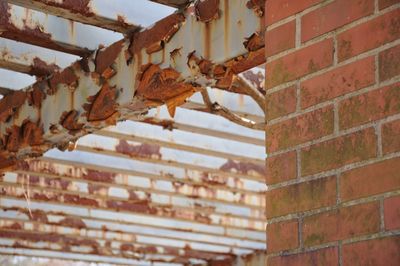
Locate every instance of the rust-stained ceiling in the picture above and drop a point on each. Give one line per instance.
(128, 142)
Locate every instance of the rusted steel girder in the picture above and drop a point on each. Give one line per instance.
(205, 45)
(82, 11)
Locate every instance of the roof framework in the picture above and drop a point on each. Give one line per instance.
(132, 140)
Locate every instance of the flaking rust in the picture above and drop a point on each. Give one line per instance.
(258, 6)
(102, 106)
(142, 150)
(254, 42)
(66, 77)
(10, 103)
(154, 38)
(69, 120)
(219, 75)
(163, 86)
(207, 11)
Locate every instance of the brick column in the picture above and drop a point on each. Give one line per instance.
(333, 132)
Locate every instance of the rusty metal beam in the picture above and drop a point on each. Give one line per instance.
(169, 144)
(252, 238)
(86, 12)
(230, 214)
(32, 60)
(169, 124)
(36, 28)
(163, 64)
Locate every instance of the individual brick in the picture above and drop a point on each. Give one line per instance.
(280, 9)
(281, 103)
(325, 257)
(299, 63)
(369, 106)
(386, 3)
(358, 39)
(281, 168)
(300, 129)
(341, 224)
(338, 152)
(389, 63)
(391, 208)
(377, 252)
(282, 236)
(301, 197)
(370, 180)
(390, 137)
(338, 82)
(333, 16)
(280, 38)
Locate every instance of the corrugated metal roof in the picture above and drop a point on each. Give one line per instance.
(152, 190)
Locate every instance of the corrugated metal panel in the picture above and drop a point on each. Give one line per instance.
(152, 190)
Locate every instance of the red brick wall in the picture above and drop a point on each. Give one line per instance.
(333, 132)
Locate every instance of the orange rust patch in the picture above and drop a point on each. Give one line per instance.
(142, 150)
(103, 104)
(243, 63)
(72, 222)
(141, 206)
(66, 76)
(254, 42)
(99, 176)
(32, 134)
(29, 134)
(160, 84)
(155, 37)
(257, 5)
(105, 58)
(69, 120)
(41, 68)
(222, 74)
(37, 95)
(207, 10)
(165, 124)
(10, 103)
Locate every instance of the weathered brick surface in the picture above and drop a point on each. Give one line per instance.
(389, 63)
(280, 38)
(392, 213)
(342, 145)
(341, 224)
(322, 257)
(376, 252)
(370, 180)
(370, 106)
(334, 15)
(338, 152)
(300, 129)
(337, 82)
(390, 137)
(278, 10)
(299, 63)
(301, 197)
(359, 39)
(281, 103)
(281, 168)
(283, 236)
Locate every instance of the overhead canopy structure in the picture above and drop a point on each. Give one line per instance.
(132, 139)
